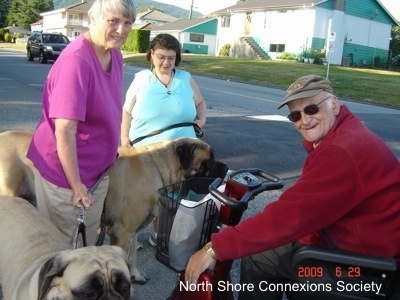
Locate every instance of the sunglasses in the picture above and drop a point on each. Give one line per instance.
(310, 110)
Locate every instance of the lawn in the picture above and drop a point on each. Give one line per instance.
(359, 84)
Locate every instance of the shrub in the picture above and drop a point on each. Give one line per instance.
(377, 62)
(7, 38)
(318, 56)
(3, 31)
(288, 56)
(225, 50)
(138, 41)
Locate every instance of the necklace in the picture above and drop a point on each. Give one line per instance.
(169, 81)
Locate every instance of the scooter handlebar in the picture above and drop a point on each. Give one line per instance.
(271, 182)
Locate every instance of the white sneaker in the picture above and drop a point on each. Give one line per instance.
(139, 245)
(153, 239)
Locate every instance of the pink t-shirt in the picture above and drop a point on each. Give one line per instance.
(77, 88)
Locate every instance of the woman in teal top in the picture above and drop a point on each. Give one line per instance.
(161, 97)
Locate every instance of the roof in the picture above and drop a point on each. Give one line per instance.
(146, 26)
(81, 6)
(182, 24)
(253, 5)
(39, 22)
(156, 15)
(268, 4)
(16, 29)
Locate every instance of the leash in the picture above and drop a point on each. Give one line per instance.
(197, 129)
(81, 227)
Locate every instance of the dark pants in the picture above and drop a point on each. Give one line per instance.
(274, 266)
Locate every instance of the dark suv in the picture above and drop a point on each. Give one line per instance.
(46, 46)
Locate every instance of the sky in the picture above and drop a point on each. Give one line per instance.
(393, 6)
(207, 6)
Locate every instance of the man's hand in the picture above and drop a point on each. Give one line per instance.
(198, 263)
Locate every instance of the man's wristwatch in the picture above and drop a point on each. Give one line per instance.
(209, 250)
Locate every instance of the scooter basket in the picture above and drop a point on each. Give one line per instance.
(187, 217)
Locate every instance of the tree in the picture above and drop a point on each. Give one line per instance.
(395, 41)
(15, 8)
(23, 13)
(4, 7)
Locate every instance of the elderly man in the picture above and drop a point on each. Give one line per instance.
(347, 197)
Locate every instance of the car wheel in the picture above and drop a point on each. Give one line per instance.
(29, 55)
(42, 58)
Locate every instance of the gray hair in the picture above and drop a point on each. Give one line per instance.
(329, 102)
(124, 7)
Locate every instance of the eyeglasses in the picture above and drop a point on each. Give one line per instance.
(163, 57)
(310, 110)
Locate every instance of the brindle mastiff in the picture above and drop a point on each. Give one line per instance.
(34, 262)
(135, 178)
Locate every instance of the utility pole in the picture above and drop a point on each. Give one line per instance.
(191, 10)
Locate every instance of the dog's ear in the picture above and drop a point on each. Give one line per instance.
(55, 266)
(218, 169)
(185, 151)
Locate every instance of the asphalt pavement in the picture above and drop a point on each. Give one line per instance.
(238, 139)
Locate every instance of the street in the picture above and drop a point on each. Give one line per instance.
(243, 126)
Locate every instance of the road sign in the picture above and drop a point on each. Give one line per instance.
(331, 46)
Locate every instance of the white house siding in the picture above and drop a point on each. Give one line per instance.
(58, 21)
(367, 32)
(54, 22)
(356, 33)
(227, 35)
(331, 21)
(353, 32)
(209, 41)
(294, 28)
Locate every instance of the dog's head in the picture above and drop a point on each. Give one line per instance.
(196, 158)
(97, 273)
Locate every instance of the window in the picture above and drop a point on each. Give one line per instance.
(276, 47)
(195, 37)
(226, 21)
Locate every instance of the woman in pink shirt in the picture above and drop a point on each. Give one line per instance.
(77, 136)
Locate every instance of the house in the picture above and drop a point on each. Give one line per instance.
(153, 16)
(37, 26)
(16, 29)
(196, 36)
(73, 20)
(348, 31)
(151, 19)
